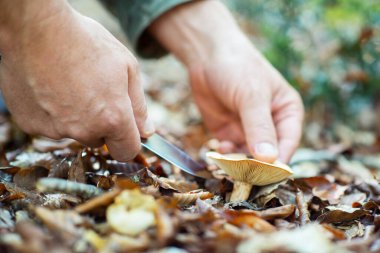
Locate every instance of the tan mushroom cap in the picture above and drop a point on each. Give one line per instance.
(252, 171)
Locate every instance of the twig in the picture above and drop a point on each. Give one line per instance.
(50, 185)
(304, 214)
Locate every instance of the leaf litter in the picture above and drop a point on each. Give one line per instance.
(58, 196)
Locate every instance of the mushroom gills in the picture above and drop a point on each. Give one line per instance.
(247, 172)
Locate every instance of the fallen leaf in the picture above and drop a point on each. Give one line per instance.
(280, 212)
(77, 170)
(305, 239)
(249, 219)
(52, 185)
(100, 201)
(331, 192)
(302, 207)
(189, 198)
(337, 215)
(27, 177)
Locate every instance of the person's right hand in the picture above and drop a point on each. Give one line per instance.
(64, 75)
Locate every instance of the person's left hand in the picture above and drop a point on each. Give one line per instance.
(242, 98)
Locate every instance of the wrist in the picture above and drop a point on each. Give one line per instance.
(18, 18)
(196, 31)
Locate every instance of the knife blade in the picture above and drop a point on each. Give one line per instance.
(174, 155)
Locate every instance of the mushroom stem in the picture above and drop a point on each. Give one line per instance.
(241, 191)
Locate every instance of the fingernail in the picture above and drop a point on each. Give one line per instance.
(266, 148)
(149, 128)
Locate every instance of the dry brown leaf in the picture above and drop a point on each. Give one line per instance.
(353, 230)
(181, 186)
(338, 216)
(77, 170)
(280, 212)
(311, 182)
(331, 192)
(303, 212)
(116, 243)
(249, 219)
(60, 169)
(10, 192)
(27, 177)
(337, 233)
(66, 224)
(100, 201)
(52, 185)
(35, 239)
(167, 223)
(309, 238)
(189, 198)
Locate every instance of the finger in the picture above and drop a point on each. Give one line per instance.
(83, 133)
(92, 143)
(259, 129)
(136, 94)
(289, 131)
(231, 131)
(226, 147)
(123, 139)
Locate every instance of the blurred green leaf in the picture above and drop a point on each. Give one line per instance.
(328, 49)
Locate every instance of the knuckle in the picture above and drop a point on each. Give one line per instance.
(254, 96)
(76, 133)
(297, 97)
(112, 117)
(264, 127)
(297, 102)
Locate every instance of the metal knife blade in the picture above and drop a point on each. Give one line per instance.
(174, 155)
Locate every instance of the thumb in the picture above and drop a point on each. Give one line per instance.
(259, 129)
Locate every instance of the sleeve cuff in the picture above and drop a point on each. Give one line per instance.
(136, 16)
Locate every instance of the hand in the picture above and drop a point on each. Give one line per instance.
(243, 99)
(64, 75)
(241, 96)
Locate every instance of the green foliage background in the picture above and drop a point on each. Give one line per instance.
(328, 49)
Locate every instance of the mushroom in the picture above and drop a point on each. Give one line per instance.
(132, 212)
(247, 172)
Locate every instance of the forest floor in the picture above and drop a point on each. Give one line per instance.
(58, 196)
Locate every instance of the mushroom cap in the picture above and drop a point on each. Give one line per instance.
(248, 170)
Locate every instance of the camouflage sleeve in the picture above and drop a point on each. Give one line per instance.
(135, 16)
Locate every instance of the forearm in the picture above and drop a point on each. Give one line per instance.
(194, 30)
(17, 16)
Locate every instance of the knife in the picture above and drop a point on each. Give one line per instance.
(174, 155)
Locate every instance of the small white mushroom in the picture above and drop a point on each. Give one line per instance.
(247, 172)
(132, 212)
